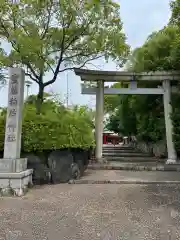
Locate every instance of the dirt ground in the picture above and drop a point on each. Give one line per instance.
(95, 212)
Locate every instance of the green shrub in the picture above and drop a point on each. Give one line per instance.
(52, 131)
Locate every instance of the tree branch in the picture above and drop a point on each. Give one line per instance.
(72, 68)
(76, 55)
(24, 61)
(24, 28)
(29, 75)
(47, 64)
(48, 21)
(85, 62)
(50, 67)
(64, 48)
(6, 31)
(83, 27)
(41, 77)
(14, 21)
(60, 57)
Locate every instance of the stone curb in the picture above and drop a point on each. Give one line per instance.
(167, 168)
(145, 182)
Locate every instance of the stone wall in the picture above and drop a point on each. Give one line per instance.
(58, 166)
(158, 149)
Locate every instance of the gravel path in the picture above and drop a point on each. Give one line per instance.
(93, 212)
(131, 175)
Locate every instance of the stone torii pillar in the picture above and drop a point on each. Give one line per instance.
(99, 119)
(172, 156)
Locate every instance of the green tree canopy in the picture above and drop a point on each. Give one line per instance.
(175, 9)
(123, 119)
(159, 52)
(111, 102)
(156, 54)
(55, 36)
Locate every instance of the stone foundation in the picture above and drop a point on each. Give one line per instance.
(16, 183)
(13, 165)
(158, 149)
(134, 167)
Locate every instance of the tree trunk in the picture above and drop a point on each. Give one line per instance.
(39, 99)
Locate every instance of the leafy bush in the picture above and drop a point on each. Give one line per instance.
(55, 130)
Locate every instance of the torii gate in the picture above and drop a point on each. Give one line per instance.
(121, 76)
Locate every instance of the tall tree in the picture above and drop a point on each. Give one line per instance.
(123, 119)
(55, 36)
(111, 102)
(175, 16)
(159, 52)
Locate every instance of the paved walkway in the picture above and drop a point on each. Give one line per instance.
(99, 175)
(93, 212)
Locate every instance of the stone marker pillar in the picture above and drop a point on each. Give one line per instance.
(172, 157)
(99, 119)
(12, 141)
(14, 176)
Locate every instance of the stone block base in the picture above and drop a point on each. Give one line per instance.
(15, 184)
(171, 161)
(130, 181)
(101, 160)
(13, 165)
(135, 167)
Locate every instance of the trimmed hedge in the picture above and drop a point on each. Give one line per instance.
(53, 131)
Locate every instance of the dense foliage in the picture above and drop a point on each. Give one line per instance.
(118, 122)
(55, 128)
(161, 51)
(55, 36)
